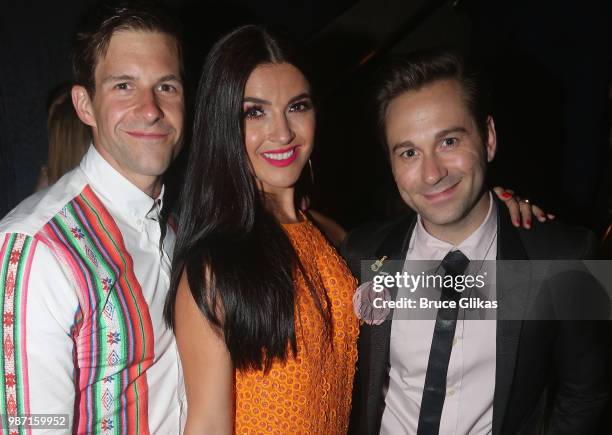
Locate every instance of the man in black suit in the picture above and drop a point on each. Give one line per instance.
(447, 374)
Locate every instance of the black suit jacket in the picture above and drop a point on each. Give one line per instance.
(573, 356)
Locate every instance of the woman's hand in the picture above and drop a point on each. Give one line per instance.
(521, 210)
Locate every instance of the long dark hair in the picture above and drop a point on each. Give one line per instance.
(238, 260)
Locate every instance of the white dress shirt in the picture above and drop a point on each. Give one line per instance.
(468, 405)
(85, 287)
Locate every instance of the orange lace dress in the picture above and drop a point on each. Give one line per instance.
(311, 393)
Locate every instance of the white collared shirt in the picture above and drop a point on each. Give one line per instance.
(468, 405)
(84, 286)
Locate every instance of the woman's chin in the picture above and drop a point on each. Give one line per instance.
(277, 184)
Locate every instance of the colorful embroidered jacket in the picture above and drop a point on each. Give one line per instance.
(83, 280)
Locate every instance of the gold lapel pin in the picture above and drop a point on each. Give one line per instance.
(378, 264)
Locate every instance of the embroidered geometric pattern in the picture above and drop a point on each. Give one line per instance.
(114, 336)
(14, 273)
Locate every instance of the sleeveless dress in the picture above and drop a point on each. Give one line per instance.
(310, 393)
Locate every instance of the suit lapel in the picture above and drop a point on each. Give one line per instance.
(376, 339)
(510, 296)
(395, 245)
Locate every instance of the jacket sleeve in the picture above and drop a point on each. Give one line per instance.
(583, 352)
(40, 310)
(583, 372)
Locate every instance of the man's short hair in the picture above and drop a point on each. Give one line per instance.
(414, 71)
(100, 24)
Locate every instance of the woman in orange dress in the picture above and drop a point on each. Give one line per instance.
(310, 393)
(260, 301)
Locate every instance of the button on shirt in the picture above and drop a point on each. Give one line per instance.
(468, 405)
(83, 281)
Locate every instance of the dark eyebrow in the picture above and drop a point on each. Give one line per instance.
(127, 77)
(124, 77)
(405, 144)
(262, 101)
(439, 135)
(302, 96)
(170, 78)
(255, 100)
(448, 131)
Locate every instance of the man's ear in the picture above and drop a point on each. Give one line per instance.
(83, 106)
(491, 145)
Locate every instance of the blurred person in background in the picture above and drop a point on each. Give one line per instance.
(69, 139)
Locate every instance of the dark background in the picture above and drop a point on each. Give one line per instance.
(548, 64)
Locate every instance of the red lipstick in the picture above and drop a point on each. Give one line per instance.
(281, 157)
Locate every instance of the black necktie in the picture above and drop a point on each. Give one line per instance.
(434, 390)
